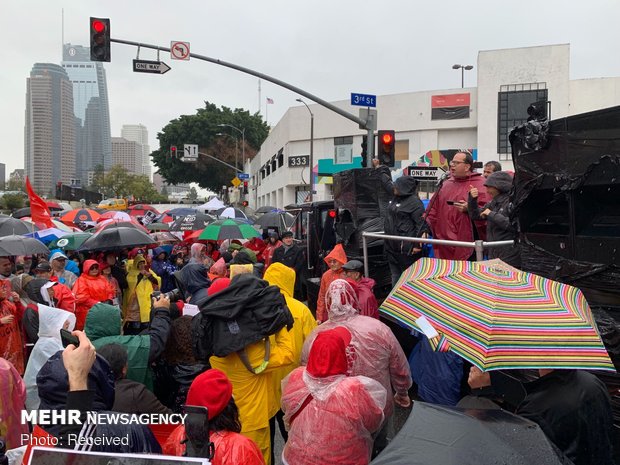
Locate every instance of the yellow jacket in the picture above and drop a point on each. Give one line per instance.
(284, 277)
(139, 290)
(250, 391)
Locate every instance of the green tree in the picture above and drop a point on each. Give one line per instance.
(12, 201)
(16, 184)
(202, 129)
(192, 194)
(164, 192)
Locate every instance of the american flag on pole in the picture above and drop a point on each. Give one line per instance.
(269, 101)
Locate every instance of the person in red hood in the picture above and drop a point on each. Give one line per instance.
(90, 289)
(11, 312)
(331, 415)
(257, 245)
(58, 296)
(451, 221)
(336, 258)
(213, 389)
(354, 272)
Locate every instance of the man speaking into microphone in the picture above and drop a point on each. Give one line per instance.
(448, 217)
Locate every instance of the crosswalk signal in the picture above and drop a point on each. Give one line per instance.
(245, 187)
(173, 151)
(386, 147)
(100, 39)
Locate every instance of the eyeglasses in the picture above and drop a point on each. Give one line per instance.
(456, 162)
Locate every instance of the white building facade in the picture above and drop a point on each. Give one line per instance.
(430, 125)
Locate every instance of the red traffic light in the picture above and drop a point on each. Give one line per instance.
(332, 213)
(98, 26)
(387, 138)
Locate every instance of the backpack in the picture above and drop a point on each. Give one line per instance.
(247, 311)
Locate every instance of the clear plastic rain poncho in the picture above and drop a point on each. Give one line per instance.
(51, 320)
(378, 355)
(330, 416)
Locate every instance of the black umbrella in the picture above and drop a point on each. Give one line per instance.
(438, 435)
(265, 209)
(117, 238)
(192, 222)
(278, 219)
(19, 245)
(21, 212)
(230, 212)
(10, 226)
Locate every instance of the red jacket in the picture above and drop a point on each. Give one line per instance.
(64, 298)
(230, 448)
(90, 290)
(335, 426)
(328, 277)
(11, 343)
(448, 223)
(368, 305)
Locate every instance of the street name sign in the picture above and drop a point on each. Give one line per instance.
(148, 66)
(364, 100)
(243, 176)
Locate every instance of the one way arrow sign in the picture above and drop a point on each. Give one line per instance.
(146, 66)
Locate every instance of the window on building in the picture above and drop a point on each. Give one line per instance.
(513, 100)
(280, 158)
(401, 150)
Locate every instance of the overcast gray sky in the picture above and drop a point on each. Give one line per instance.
(330, 48)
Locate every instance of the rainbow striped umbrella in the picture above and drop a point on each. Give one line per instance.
(498, 317)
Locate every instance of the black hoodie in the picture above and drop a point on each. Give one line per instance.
(404, 216)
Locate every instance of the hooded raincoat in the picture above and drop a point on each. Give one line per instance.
(284, 277)
(367, 302)
(448, 223)
(330, 416)
(63, 297)
(252, 392)
(404, 217)
(140, 288)
(12, 397)
(90, 290)
(11, 344)
(230, 448)
(51, 321)
(328, 277)
(378, 354)
(499, 226)
(195, 281)
(164, 269)
(103, 326)
(53, 384)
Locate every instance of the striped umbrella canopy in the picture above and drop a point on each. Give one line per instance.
(228, 229)
(498, 317)
(114, 215)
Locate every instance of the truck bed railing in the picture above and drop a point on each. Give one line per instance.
(479, 246)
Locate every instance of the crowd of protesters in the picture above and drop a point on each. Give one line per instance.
(329, 382)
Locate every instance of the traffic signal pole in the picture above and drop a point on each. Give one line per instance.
(260, 75)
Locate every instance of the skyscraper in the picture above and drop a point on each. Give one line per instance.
(138, 133)
(128, 154)
(49, 133)
(91, 108)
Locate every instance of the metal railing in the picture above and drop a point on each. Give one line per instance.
(478, 245)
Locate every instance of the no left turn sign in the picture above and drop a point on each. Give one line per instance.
(179, 50)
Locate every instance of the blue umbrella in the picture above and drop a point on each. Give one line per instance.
(47, 235)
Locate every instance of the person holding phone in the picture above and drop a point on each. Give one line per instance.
(448, 215)
(213, 390)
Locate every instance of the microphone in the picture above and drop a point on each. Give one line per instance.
(442, 178)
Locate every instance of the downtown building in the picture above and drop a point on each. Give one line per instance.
(139, 134)
(430, 125)
(49, 133)
(91, 109)
(128, 154)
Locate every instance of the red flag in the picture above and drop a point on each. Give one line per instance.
(39, 212)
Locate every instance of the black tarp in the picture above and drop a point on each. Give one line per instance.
(438, 435)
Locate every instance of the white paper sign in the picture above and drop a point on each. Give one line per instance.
(426, 327)
(190, 309)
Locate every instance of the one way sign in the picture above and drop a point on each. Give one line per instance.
(146, 66)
